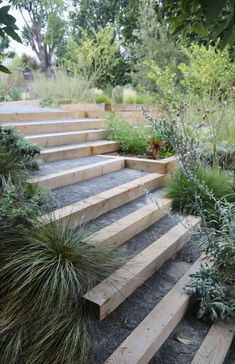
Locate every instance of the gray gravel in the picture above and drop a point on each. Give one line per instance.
(65, 164)
(230, 358)
(175, 352)
(69, 194)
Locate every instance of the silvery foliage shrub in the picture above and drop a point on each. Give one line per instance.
(211, 285)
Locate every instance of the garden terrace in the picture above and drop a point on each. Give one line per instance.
(141, 312)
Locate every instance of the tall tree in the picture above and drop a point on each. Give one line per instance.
(44, 27)
(91, 15)
(153, 43)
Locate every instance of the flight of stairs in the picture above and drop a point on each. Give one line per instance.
(112, 194)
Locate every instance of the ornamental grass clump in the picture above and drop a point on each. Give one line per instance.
(43, 317)
(219, 183)
(214, 203)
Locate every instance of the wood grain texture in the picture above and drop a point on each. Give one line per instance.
(140, 346)
(111, 292)
(94, 206)
(74, 175)
(214, 348)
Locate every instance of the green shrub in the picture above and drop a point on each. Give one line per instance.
(132, 139)
(21, 203)
(24, 152)
(211, 294)
(184, 192)
(102, 99)
(139, 99)
(43, 281)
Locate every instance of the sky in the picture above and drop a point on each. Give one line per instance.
(18, 47)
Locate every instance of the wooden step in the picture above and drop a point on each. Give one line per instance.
(48, 115)
(130, 225)
(97, 205)
(214, 348)
(111, 292)
(160, 165)
(78, 150)
(74, 175)
(140, 346)
(54, 126)
(71, 137)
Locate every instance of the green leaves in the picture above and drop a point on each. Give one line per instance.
(211, 20)
(7, 27)
(4, 69)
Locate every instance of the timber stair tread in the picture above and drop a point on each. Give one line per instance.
(63, 138)
(112, 291)
(48, 135)
(78, 150)
(54, 126)
(78, 174)
(78, 145)
(132, 224)
(92, 207)
(216, 344)
(49, 121)
(145, 340)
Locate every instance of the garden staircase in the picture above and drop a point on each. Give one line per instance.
(110, 192)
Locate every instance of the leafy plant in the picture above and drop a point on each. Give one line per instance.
(21, 203)
(211, 294)
(156, 146)
(8, 27)
(209, 71)
(16, 145)
(102, 98)
(132, 139)
(43, 281)
(139, 99)
(94, 57)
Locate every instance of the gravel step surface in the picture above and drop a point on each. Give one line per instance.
(183, 343)
(69, 194)
(122, 211)
(66, 164)
(111, 332)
